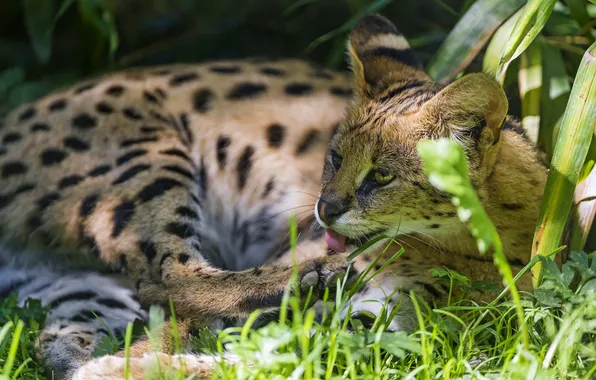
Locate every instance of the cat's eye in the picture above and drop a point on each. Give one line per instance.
(335, 160)
(382, 178)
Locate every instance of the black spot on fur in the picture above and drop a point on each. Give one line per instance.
(157, 188)
(177, 153)
(246, 90)
(187, 132)
(27, 114)
(131, 173)
(180, 79)
(75, 144)
(512, 206)
(203, 99)
(223, 142)
(182, 230)
(123, 213)
(130, 155)
(179, 170)
(187, 212)
(83, 88)
(268, 188)
(150, 129)
(141, 140)
(321, 73)
(272, 72)
(6, 199)
(203, 178)
(183, 258)
(84, 121)
(161, 93)
(52, 156)
(99, 170)
(47, 200)
(34, 222)
(26, 187)
(115, 90)
(39, 127)
(434, 226)
(69, 181)
(13, 168)
(308, 141)
(148, 249)
(57, 105)
(299, 89)
(104, 108)
(132, 114)
(344, 92)
(88, 205)
(275, 135)
(11, 137)
(225, 69)
(244, 166)
(149, 97)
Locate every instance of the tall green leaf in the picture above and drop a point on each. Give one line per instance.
(497, 43)
(555, 93)
(577, 129)
(530, 86)
(39, 20)
(469, 36)
(527, 27)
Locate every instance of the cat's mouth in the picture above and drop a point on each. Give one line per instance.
(335, 240)
(338, 242)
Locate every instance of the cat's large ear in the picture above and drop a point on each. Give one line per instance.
(380, 55)
(471, 111)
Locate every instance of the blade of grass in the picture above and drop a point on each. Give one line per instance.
(127, 340)
(530, 88)
(495, 47)
(445, 164)
(530, 23)
(469, 36)
(555, 93)
(577, 129)
(14, 346)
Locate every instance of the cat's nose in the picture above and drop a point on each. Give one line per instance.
(329, 211)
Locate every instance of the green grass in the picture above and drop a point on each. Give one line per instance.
(460, 339)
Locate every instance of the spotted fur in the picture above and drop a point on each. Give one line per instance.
(178, 178)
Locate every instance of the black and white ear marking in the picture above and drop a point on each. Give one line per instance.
(380, 54)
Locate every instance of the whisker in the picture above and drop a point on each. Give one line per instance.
(303, 192)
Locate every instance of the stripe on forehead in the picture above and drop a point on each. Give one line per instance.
(408, 96)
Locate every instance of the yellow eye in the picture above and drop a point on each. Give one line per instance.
(382, 178)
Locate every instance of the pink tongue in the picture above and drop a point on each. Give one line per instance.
(335, 241)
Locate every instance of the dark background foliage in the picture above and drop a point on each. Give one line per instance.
(91, 36)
